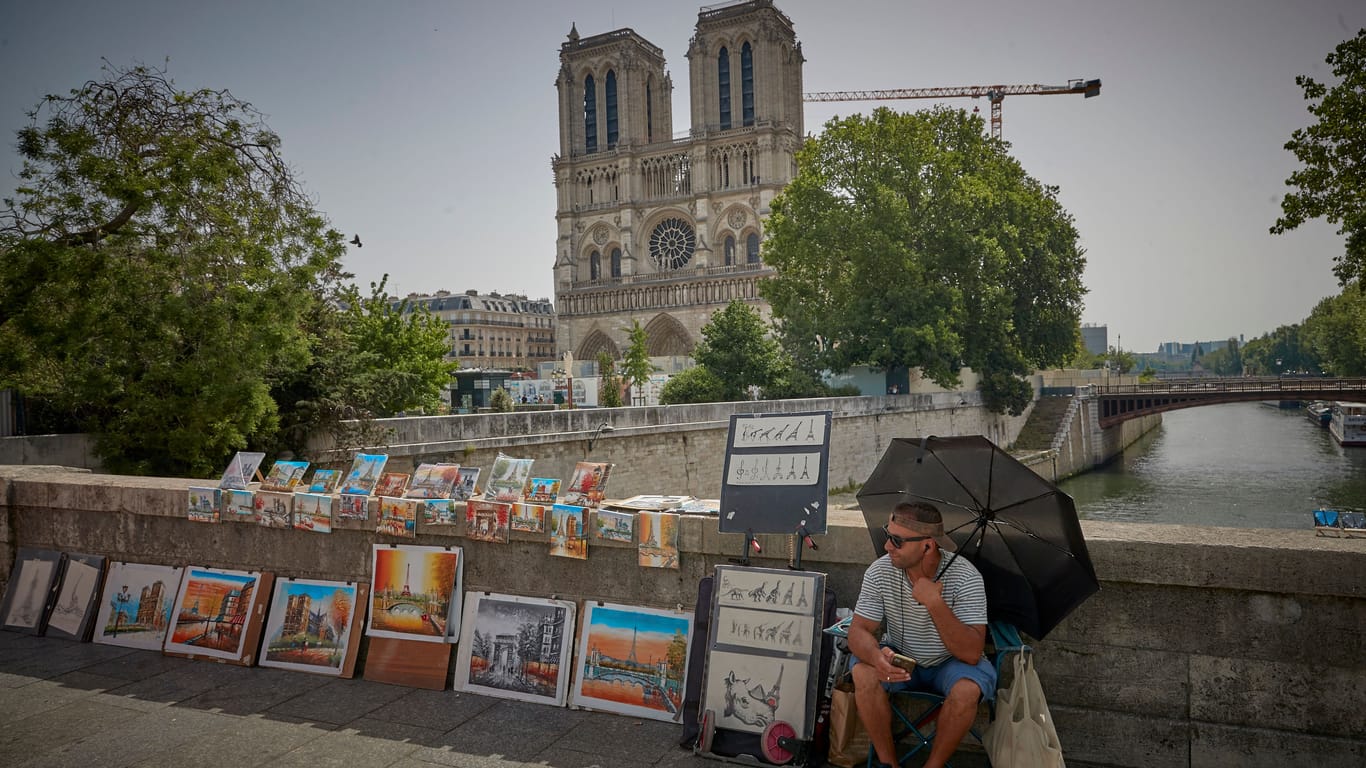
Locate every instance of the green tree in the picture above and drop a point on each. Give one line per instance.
(500, 401)
(1332, 336)
(609, 385)
(1119, 360)
(396, 352)
(737, 348)
(1286, 348)
(1333, 152)
(157, 263)
(636, 365)
(913, 240)
(695, 385)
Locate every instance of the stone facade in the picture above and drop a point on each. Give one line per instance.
(663, 231)
(503, 331)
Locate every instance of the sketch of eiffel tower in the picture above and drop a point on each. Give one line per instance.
(407, 576)
(801, 601)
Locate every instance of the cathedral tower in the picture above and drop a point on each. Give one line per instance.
(660, 230)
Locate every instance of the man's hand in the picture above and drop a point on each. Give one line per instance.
(927, 592)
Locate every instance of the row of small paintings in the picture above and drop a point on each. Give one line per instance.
(509, 480)
(631, 659)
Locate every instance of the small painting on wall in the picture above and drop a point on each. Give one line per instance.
(397, 517)
(204, 504)
(657, 539)
(568, 531)
(487, 521)
(273, 508)
(313, 512)
(366, 469)
(285, 476)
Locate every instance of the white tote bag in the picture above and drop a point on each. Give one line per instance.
(1022, 735)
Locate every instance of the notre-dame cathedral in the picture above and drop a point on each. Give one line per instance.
(661, 230)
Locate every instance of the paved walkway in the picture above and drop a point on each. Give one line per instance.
(81, 704)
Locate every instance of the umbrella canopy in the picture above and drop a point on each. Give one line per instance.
(1017, 528)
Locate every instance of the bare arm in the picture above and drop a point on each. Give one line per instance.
(964, 641)
(863, 642)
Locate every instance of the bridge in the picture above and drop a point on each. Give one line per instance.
(1121, 402)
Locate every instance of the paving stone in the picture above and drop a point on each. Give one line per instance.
(37, 697)
(138, 665)
(340, 701)
(345, 749)
(248, 694)
(179, 684)
(133, 740)
(42, 732)
(242, 743)
(438, 710)
(617, 736)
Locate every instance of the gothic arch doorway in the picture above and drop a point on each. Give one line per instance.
(596, 342)
(667, 337)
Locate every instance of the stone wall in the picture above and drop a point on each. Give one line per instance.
(1205, 646)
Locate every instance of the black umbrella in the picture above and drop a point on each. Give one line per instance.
(1017, 528)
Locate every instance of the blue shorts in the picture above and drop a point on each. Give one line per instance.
(941, 677)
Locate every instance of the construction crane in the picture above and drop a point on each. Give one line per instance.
(994, 93)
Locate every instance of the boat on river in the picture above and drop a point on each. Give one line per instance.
(1319, 412)
(1348, 423)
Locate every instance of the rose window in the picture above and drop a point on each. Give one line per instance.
(672, 244)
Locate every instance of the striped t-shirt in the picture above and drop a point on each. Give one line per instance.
(886, 595)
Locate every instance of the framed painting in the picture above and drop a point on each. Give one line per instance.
(632, 660)
(353, 507)
(391, 484)
(507, 479)
(241, 470)
(136, 605)
(366, 469)
(763, 648)
(32, 589)
(311, 626)
(415, 592)
(487, 521)
(528, 518)
(468, 484)
(588, 484)
(73, 613)
(568, 531)
(273, 508)
(438, 512)
(614, 525)
(239, 505)
(204, 504)
(313, 512)
(657, 539)
(433, 481)
(543, 490)
(285, 476)
(397, 517)
(218, 615)
(515, 647)
(324, 481)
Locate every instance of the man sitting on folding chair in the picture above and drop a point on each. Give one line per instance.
(934, 612)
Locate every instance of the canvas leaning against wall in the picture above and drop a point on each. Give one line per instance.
(311, 626)
(515, 647)
(218, 614)
(136, 605)
(32, 588)
(73, 614)
(632, 660)
(415, 592)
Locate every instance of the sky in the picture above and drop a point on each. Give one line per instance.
(427, 128)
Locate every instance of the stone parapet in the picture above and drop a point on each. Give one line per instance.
(1205, 646)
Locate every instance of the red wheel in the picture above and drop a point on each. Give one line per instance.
(708, 731)
(770, 743)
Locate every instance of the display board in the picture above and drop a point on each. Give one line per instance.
(776, 473)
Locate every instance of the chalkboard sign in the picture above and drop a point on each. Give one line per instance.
(776, 474)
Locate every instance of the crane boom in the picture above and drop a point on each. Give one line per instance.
(994, 93)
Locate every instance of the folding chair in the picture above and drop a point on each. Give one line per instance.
(915, 713)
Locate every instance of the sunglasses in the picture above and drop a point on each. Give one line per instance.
(900, 541)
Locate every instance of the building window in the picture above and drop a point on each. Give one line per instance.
(616, 262)
(611, 108)
(747, 83)
(672, 244)
(594, 266)
(723, 86)
(752, 249)
(649, 112)
(730, 251)
(590, 115)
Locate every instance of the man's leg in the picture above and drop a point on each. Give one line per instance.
(874, 711)
(955, 718)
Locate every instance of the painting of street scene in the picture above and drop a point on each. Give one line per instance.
(136, 605)
(515, 647)
(365, 471)
(397, 517)
(239, 504)
(204, 505)
(468, 484)
(353, 507)
(324, 480)
(285, 476)
(588, 485)
(313, 512)
(391, 484)
(413, 592)
(433, 481)
(273, 508)
(507, 479)
(486, 521)
(568, 531)
(310, 624)
(632, 660)
(213, 613)
(615, 525)
(543, 489)
(528, 518)
(657, 537)
(438, 512)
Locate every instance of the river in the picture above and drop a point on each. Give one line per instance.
(1243, 465)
